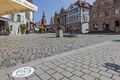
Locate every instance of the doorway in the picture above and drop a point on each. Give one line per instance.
(106, 27)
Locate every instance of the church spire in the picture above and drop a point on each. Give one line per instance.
(43, 21)
(43, 14)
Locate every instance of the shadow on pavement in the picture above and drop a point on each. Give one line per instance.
(112, 66)
(116, 40)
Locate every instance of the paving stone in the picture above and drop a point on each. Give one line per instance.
(105, 78)
(62, 66)
(52, 79)
(39, 71)
(85, 66)
(23, 79)
(45, 76)
(65, 78)
(88, 77)
(34, 78)
(116, 77)
(96, 75)
(69, 69)
(86, 71)
(67, 74)
(113, 72)
(4, 77)
(33, 74)
(2, 72)
(57, 63)
(94, 69)
(45, 68)
(57, 76)
(51, 71)
(76, 78)
(70, 64)
(78, 73)
(93, 65)
(78, 68)
(52, 66)
(102, 68)
(58, 69)
(105, 73)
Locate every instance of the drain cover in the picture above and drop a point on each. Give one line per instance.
(23, 72)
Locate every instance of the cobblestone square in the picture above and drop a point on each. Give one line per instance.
(78, 58)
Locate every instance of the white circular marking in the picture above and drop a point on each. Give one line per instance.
(23, 72)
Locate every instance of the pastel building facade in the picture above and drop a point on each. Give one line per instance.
(15, 20)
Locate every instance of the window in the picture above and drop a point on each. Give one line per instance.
(106, 14)
(106, 4)
(27, 15)
(98, 6)
(94, 16)
(83, 10)
(98, 14)
(116, 1)
(12, 17)
(18, 18)
(116, 11)
(77, 10)
(117, 23)
(77, 17)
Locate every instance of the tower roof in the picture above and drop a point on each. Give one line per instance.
(43, 14)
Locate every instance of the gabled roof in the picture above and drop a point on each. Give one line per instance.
(80, 4)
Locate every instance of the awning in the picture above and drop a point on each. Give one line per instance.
(15, 6)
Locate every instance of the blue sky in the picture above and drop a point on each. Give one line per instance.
(50, 6)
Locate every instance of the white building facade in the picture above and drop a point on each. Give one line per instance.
(15, 20)
(77, 15)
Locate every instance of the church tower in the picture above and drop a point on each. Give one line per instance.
(43, 21)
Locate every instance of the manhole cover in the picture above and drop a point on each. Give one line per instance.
(23, 72)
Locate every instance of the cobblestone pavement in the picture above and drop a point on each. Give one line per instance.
(16, 50)
(81, 64)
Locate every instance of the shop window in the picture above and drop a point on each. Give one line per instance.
(117, 23)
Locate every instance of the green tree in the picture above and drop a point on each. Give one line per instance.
(23, 28)
(6, 29)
